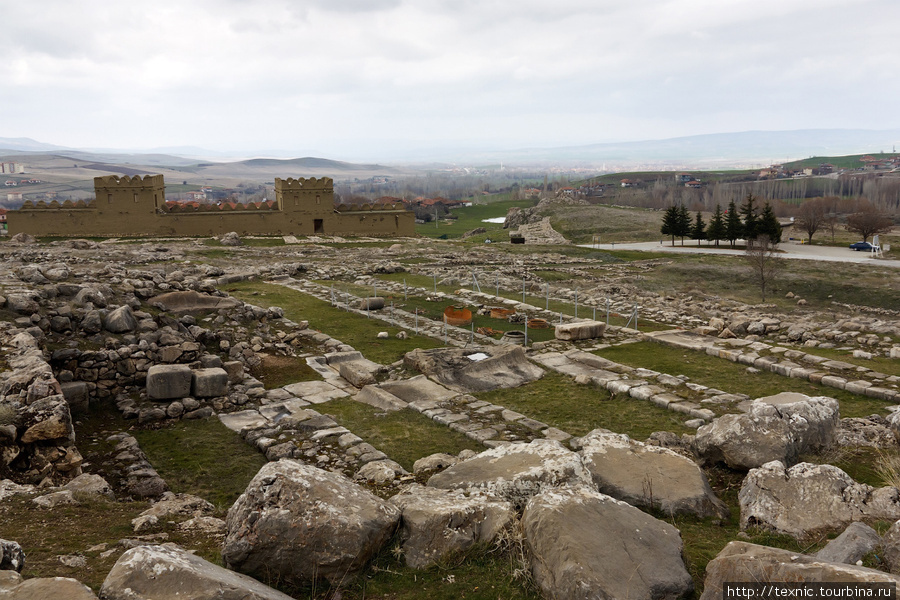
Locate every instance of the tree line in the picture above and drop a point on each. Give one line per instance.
(747, 222)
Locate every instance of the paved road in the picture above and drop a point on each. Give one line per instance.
(789, 250)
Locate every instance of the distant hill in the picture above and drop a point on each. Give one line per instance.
(26, 145)
(747, 149)
(712, 150)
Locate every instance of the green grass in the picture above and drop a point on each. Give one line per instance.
(279, 371)
(203, 458)
(481, 573)
(470, 217)
(556, 306)
(577, 409)
(404, 435)
(435, 311)
(253, 242)
(350, 328)
(732, 377)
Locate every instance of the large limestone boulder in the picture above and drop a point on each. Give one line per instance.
(584, 544)
(744, 562)
(808, 499)
(436, 522)
(169, 382)
(776, 428)
(505, 367)
(648, 476)
(192, 302)
(852, 545)
(163, 573)
(515, 472)
(299, 523)
(43, 588)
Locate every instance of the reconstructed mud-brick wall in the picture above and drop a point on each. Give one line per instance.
(135, 206)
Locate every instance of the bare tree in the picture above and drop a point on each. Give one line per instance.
(869, 221)
(764, 261)
(811, 216)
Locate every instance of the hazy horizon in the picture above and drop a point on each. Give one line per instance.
(354, 80)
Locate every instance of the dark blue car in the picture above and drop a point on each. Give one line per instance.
(862, 246)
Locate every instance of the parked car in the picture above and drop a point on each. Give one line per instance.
(862, 246)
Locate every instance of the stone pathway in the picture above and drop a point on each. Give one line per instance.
(788, 363)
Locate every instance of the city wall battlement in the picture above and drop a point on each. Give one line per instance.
(137, 206)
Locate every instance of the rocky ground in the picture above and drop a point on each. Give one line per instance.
(102, 342)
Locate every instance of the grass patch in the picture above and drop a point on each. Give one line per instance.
(468, 218)
(350, 328)
(253, 242)
(45, 534)
(190, 456)
(279, 371)
(481, 573)
(538, 301)
(577, 409)
(732, 377)
(404, 435)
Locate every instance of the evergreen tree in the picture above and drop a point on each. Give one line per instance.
(750, 218)
(733, 227)
(769, 225)
(716, 229)
(670, 223)
(698, 231)
(684, 223)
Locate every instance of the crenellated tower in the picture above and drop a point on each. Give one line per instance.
(129, 195)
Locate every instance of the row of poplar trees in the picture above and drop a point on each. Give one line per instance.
(746, 223)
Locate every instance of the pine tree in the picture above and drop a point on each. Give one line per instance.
(698, 231)
(750, 218)
(670, 223)
(716, 229)
(684, 223)
(769, 225)
(733, 227)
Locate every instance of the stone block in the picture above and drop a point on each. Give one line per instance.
(584, 330)
(235, 370)
(210, 383)
(77, 395)
(168, 382)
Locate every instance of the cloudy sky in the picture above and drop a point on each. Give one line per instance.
(357, 79)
